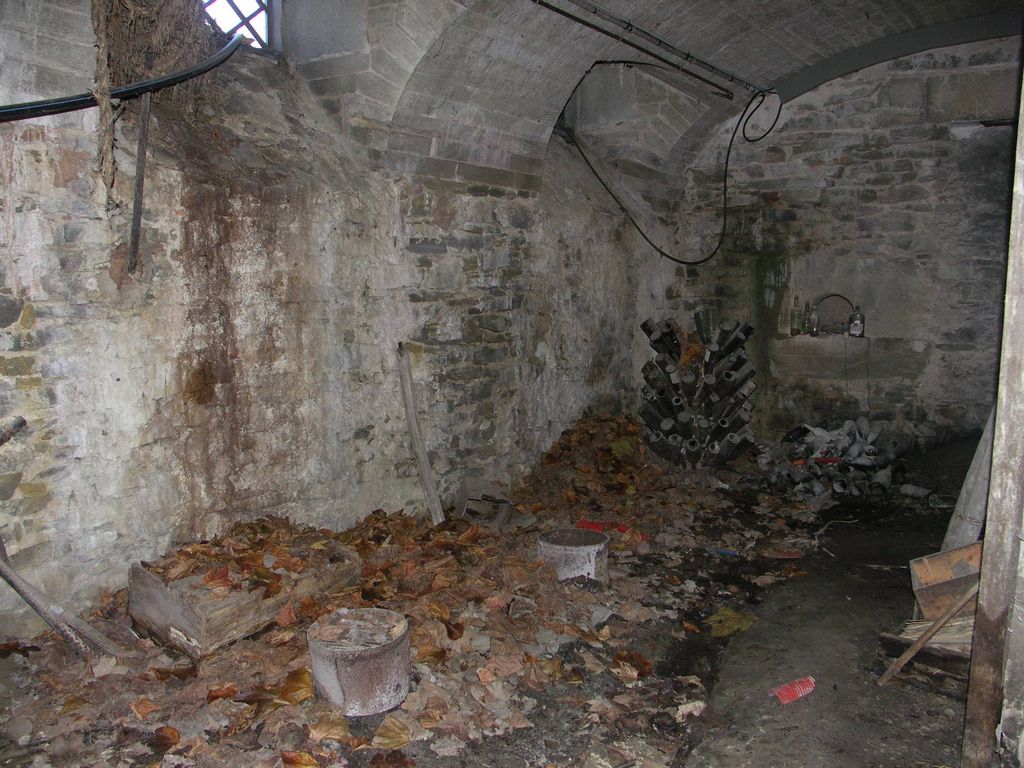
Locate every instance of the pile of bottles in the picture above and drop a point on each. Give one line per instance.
(806, 322)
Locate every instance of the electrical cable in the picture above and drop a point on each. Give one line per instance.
(62, 104)
(742, 122)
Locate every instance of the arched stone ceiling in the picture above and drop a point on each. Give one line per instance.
(467, 88)
(488, 90)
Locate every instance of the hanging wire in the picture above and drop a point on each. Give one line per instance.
(753, 105)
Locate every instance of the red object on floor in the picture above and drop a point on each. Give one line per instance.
(818, 460)
(602, 526)
(790, 692)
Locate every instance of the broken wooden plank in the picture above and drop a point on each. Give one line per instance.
(921, 673)
(918, 644)
(197, 618)
(968, 516)
(939, 579)
(419, 447)
(945, 659)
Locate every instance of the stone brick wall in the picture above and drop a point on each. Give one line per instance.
(891, 187)
(249, 367)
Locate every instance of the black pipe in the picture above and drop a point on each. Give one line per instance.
(63, 104)
(628, 26)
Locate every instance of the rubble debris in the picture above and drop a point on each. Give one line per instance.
(857, 459)
(696, 397)
(484, 501)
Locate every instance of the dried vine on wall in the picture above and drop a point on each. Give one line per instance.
(138, 39)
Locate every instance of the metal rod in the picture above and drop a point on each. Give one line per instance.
(41, 606)
(633, 29)
(64, 104)
(140, 181)
(719, 90)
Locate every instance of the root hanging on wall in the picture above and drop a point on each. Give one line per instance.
(696, 404)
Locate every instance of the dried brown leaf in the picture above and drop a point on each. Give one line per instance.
(179, 568)
(71, 703)
(298, 686)
(298, 759)
(496, 602)
(219, 577)
(286, 615)
(181, 673)
(636, 660)
(439, 611)
(288, 562)
(226, 691)
(430, 654)
(272, 589)
(626, 672)
(333, 728)
(393, 759)
(143, 708)
(164, 738)
(392, 733)
(444, 581)
(281, 637)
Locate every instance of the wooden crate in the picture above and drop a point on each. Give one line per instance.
(197, 619)
(940, 579)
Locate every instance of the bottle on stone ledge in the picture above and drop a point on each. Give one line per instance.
(796, 318)
(857, 322)
(805, 321)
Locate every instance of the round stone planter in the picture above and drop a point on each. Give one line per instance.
(575, 552)
(360, 659)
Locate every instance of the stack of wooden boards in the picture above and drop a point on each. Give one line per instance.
(940, 581)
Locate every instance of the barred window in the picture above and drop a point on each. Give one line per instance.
(250, 17)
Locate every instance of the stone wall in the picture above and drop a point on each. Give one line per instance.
(249, 366)
(891, 187)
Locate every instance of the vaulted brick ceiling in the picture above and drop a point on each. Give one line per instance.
(489, 88)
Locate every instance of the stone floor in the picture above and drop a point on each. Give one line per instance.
(825, 625)
(719, 591)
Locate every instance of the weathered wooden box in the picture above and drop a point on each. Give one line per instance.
(197, 618)
(940, 579)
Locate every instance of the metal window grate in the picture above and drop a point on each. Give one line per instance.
(246, 16)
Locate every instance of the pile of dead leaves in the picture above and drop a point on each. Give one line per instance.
(252, 556)
(499, 645)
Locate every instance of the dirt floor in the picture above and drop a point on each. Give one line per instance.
(718, 590)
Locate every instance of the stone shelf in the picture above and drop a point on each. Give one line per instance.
(852, 357)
